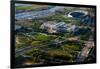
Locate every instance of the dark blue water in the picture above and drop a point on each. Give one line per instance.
(77, 14)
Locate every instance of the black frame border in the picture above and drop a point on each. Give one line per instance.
(12, 32)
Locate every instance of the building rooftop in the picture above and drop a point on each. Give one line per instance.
(54, 27)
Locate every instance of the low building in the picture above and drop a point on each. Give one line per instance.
(60, 27)
(49, 26)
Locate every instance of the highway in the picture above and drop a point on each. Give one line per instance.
(38, 14)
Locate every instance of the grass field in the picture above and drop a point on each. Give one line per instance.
(33, 7)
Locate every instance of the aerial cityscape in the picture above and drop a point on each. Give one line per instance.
(48, 34)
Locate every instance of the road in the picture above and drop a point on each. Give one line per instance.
(80, 58)
(26, 49)
(38, 14)
(85, 51)
(29, 48)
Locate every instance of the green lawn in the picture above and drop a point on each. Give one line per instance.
(33, 7)
(67, 52)
(24, 7)
(43, 37)
(22, 41)
(37, 43)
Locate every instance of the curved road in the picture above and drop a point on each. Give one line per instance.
(38, 14)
